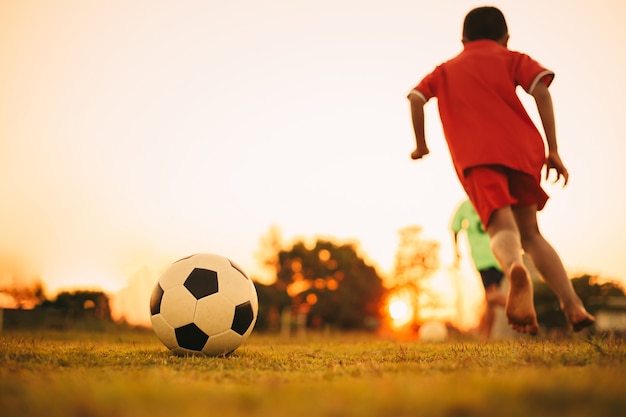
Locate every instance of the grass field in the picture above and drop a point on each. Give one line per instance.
(130, 373)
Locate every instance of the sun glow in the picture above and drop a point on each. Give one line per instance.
(400, 310)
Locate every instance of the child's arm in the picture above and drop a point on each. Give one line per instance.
(543, 99)
(417, 114)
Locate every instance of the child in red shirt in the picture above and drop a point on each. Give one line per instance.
(498, 154)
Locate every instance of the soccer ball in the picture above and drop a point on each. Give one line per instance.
(203, 304)
(433, 332)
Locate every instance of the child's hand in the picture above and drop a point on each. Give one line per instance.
(553, 162)
(419, 153)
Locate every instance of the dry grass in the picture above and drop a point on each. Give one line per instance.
(132, 374)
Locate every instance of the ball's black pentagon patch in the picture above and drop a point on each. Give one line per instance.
(191, 337)
(155, 300)
(202, 282)
(243, 318)
(238, 268)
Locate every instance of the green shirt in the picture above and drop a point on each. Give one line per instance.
(466, 217)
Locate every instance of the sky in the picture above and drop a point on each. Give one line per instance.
(133, 134)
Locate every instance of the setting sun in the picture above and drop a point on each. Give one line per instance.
(400, 310)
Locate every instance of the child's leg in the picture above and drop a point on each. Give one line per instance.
(549, 264)
(507, 248)
(494, 299)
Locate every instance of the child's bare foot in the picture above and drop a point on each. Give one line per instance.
(579, 318)
(520, 308)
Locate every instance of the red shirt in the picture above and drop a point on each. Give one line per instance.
(483, 119)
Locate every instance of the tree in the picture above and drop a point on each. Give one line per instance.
(24, 296)
(416, 260)
(272, 301)
(331, 284)
(81, 304)
(19, 287)
(594, 296)
(267, 254)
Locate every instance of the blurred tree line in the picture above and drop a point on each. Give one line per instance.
(329, 285)
(25, 304)
(595, 296)
(70, 309)
(318, 284)
(326, 284)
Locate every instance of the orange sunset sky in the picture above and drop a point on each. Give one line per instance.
(133, 133)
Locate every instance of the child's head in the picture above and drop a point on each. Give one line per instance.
(485, 23)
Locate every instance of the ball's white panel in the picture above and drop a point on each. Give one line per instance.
(178, 306)
(164, 331)
(233, 285)
(222, 343)
(175, 275)
(208, 261)
(214, 314)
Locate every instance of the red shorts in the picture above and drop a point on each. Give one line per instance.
(491, 187)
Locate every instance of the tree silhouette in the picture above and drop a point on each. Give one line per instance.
(331, 284)
(270, 245)
(24, 296)
(595, 296)
(273, 300)
(416, 260)
(19, 287)
(81, 305)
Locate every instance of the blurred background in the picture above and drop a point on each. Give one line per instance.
(134, 134)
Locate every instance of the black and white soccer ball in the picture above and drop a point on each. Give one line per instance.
(203, 304)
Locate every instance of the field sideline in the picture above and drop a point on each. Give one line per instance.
(130, 373)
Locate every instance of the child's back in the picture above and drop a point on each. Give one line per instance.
(498, 154)
(483, 119)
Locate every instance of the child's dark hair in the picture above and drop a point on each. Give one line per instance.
(484, 23)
